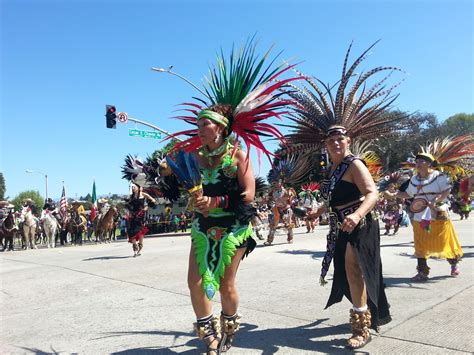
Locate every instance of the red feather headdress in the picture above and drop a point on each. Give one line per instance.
(252, 90)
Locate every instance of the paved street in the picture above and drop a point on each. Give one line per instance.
(97, 299)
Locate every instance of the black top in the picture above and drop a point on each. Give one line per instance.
(344, 192)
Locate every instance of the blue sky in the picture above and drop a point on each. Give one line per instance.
(63, 61)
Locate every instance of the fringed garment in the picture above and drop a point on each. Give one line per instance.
(217, 236)
(365, 241)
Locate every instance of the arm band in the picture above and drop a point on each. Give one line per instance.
(222, 201)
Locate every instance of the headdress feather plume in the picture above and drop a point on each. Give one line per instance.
(361, 109)
(452, 154)
(251, 89)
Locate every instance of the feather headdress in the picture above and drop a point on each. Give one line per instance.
(290, 170)
(251, 89)
(261, 187)
(360, 110)
(311, 186)
(147, 175)
(396, 178)
(451, 154)
(371, 159)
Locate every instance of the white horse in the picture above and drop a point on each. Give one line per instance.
(29, 228)
(50, 226)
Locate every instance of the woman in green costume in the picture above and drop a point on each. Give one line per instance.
(242, 94)
(220, 240)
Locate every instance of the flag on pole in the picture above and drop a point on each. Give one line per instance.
(63, 204)
(94, 203)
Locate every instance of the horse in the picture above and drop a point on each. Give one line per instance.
(7, 231)
(50, 226)
(76, 225)
(104, 225)
(29, 226)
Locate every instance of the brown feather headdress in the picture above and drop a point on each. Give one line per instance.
(362, 111)
(452, 155)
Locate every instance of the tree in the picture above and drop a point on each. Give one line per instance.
(163, 151)
(38, 201)
(2, 187)
(460, 123)
(423, 128)
(87, 198)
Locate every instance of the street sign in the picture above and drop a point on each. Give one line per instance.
(122, 117)
(144, 134)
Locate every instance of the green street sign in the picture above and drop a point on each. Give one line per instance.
(144, 134)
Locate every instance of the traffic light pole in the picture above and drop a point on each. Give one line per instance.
(153, 126)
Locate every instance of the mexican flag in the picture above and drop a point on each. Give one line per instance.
(94, 203)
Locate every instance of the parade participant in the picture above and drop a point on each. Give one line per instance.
(348, 190)
(8, 227)
(77, 222)
(391, 214)
(281, 199)
(460, 199)
(49, 205)
(182, 222)
(29, 225)
(433, 230)
(308, 200)
(137, 206)
(289, 170)
(239, 100)
(391, 207)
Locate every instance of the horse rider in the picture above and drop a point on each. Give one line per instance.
(8, 227)
(49, 205)
(29, 225)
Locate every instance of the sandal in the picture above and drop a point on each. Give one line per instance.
(229, 326)
(208, 330)
(455, 270)
(357, 342)
(360, 323)
(421, 277)
(212, 350)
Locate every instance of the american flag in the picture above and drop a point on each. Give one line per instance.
(63, 204)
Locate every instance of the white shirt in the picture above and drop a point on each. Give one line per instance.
(427, 189)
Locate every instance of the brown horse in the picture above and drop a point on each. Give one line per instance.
(104, 225)
(7, 232)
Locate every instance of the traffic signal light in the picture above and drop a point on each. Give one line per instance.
(110, 116)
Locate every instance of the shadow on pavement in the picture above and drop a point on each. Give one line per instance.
(39, 352)
(406, 282)
(108, 258)
(267, 341)
(314, 254)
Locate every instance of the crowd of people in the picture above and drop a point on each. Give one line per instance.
(351, 197)
(219, 178)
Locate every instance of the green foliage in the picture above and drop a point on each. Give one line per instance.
(38, 201)
(2, 187)
(163, 151)
(87, 198)
(461, 123)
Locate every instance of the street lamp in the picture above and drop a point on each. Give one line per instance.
(163, 70)
(45, 177)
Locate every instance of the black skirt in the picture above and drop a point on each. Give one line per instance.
(365, 241)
